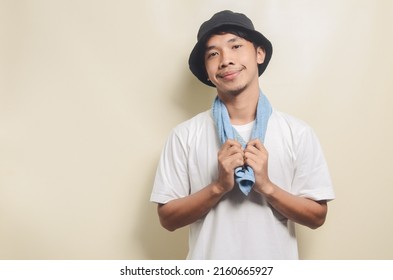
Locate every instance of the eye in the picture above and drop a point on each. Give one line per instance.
(237, 46)
(212, 54)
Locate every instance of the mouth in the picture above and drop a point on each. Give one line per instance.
(229, 75)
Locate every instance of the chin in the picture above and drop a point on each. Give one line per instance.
(234, 91)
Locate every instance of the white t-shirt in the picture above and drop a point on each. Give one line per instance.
(245, 130)
(239, 226)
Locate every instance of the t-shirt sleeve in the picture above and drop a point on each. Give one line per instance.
(311, 178)
(171, 179)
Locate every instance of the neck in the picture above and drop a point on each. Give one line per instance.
(241, 107)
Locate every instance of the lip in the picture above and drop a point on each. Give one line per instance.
(229, 75)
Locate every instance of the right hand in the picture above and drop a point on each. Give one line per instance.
(230, 156)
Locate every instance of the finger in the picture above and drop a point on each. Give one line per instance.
(251, 149)
(255, 147)
(231, 151)
(251, 159)
(255, 143)
(253, 152)
(232, 142)
(230, 163)
(235, 161)
(231, 147)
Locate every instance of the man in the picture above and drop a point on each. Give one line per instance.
(242, 173)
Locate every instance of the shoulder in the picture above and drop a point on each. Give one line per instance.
(195, 124)
(287, 124)
(294, 131)
(287, 120)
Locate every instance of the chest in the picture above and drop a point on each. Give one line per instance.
(203, 163)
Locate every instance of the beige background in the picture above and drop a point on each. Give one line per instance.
(89, 91)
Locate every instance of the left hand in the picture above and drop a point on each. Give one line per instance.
(256, 156)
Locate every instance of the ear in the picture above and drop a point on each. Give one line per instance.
(260, 55)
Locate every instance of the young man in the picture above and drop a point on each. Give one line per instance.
(242, 173)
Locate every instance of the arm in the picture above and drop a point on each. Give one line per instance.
(298, 209)
(184, 211)
(301, 210)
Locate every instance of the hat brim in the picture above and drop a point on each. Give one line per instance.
(196, 60)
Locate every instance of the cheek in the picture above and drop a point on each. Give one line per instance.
(209, 69)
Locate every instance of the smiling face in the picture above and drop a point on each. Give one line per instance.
(232, 63)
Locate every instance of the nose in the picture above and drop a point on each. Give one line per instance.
(226, 59)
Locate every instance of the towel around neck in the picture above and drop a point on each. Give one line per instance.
(244, 175)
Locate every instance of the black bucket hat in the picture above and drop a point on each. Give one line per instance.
(222, 21)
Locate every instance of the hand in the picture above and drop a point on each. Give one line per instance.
(256, 156)
(230, 156)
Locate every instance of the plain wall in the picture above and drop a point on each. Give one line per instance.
(89, 91)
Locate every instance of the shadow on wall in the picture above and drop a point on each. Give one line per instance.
(156, 242)
(192, 97)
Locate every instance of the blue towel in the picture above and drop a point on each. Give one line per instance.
(244, 175)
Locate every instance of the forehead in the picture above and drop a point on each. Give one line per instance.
(217, 40)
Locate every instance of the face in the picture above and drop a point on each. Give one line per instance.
(232, 63)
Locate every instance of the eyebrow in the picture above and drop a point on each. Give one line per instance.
(232, 40)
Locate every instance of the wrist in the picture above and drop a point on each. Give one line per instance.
(267, 189)
(218, 189)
